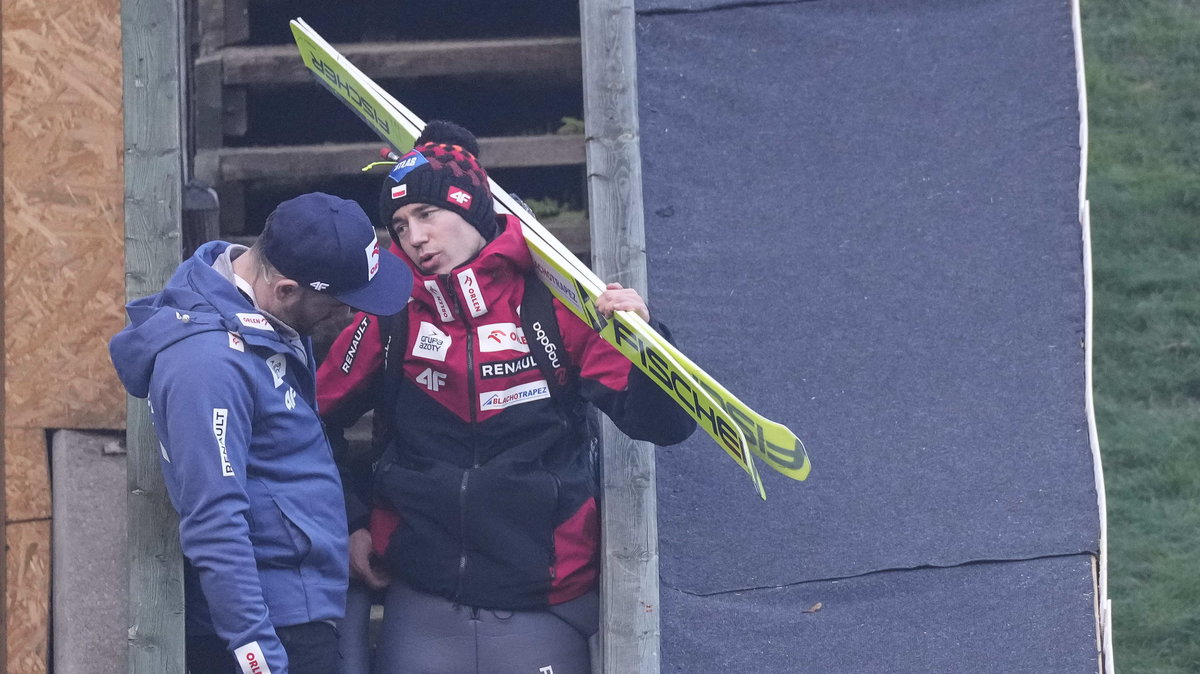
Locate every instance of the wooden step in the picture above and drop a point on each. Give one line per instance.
(547, 58)
(236, 164)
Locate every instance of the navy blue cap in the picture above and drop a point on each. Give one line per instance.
(327, 244)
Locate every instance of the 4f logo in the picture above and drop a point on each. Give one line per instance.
(459, 196)
(289, 398)
(319, 285)
(431, 379)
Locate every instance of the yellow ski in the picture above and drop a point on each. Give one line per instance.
(735, 427)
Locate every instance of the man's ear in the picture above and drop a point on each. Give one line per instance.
(286, 291)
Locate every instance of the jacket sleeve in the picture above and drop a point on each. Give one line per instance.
(349, 383)
(628, 396)
(202, 406)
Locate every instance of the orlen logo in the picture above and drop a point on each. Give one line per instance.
(257, 321)
(472, 293)
(372, 259)
(459, 196)
(439, 301)
(501, 337)
(251, 659)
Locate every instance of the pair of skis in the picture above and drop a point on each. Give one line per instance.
(739, 430)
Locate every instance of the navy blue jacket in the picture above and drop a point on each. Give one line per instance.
(244, 454)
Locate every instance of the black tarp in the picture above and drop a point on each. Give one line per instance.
(862, 218)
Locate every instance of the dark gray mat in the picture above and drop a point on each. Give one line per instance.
(982, 618)
(862, 217)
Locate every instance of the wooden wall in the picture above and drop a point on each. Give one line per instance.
(63, 271)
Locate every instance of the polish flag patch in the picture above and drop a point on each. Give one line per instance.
(400, 191)
(459, 196)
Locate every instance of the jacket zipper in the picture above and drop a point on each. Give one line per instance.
(456, 307)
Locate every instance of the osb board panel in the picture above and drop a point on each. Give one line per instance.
(63, 212)
(28, 596)
(26, 474)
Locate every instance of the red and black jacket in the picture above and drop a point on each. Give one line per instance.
(491, 477)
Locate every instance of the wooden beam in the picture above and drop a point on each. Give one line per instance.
(229, 164)
(153, 46)
(549, 58)
(629, 604)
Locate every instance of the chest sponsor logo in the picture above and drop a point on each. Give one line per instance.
(439, 301)
(220, 428)
(372, 251)
(501, 337)
(250, 658)
(352, 350)
(256, 321)
(525, 393)
(236, 343)
(431, 343)
(506, 368)
(432, 379)
(457, 195)
(277, 364)
(472, 293)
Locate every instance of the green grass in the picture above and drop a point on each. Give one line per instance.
(1143, 77)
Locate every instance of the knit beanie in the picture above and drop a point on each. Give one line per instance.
(442, 169)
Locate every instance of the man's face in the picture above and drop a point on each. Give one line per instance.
(435, 239)
(316, 314)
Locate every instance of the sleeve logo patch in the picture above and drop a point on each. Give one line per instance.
(277, 364)
(352, 350)
(256, 321)
(501, 337)
(220, 421)
(251, 659)
(431, 343)
(517, 395)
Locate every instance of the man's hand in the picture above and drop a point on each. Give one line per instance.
(618, 298)
(360, 561)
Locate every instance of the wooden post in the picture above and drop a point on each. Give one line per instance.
(629, 632)
(3, 401)
(152, 40)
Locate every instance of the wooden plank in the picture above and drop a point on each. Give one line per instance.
(3, 381)
(551, 59)
(26, 474)
(62, 138)
(27, 601)
(154, 176)
(629, 635)
(293, 162)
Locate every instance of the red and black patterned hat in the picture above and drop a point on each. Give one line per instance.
(442, 169)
